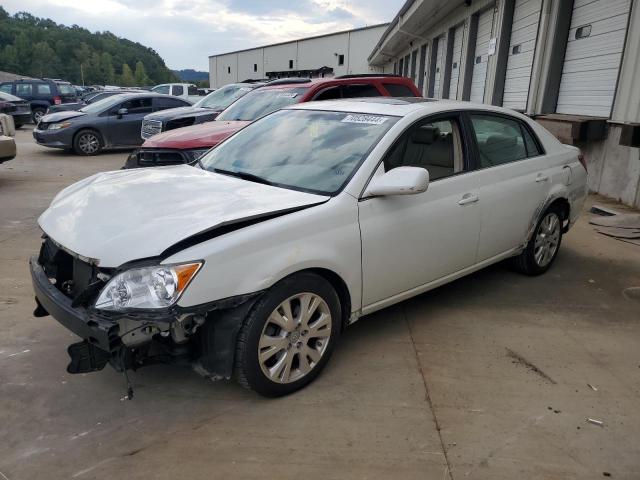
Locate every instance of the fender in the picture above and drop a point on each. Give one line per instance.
(558, 192)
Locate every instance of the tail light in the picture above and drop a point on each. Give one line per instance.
(57, 100)
(583, 161)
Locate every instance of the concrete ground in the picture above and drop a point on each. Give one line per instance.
(486, 378)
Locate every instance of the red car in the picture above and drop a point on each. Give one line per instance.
(185, 145)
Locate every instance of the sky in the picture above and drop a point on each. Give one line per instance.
(186, 32)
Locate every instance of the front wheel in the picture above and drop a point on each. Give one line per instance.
(37, 114)
(87, 142)
(542, 249)
(288, 336)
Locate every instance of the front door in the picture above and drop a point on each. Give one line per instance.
(409, 241)
(125, 129)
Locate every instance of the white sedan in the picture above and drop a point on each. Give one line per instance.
(253, 261)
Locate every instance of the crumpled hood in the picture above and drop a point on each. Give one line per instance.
(205, 135)
(117, 217)
(60, 116)
(179, 112)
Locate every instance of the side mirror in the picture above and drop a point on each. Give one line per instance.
(122, 111)
(399, 181)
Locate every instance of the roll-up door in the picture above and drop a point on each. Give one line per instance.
(524, 31)
(481, 56)
(437, 82)
(455, 61)
(593, 55)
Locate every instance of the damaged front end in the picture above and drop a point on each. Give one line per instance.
(68, 286)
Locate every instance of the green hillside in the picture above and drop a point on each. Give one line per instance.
(39, 47)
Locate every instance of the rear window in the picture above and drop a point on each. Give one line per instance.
(178, 90)
(191, 90)
(261, 102)
(65, 89)
(398, 90)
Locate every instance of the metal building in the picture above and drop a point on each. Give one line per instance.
(339, 53)
(571, 64)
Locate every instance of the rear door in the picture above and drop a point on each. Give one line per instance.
(514, 181)
(125, 129)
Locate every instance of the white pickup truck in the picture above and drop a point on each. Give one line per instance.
(187, 91)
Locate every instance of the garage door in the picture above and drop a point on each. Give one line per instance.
(526, 17)
(455, 61)
(592, 59)
(437, 82)
(481, 56)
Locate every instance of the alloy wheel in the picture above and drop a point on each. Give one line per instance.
(37, 116)
(547, 239)
(294, 338)
(88, 143)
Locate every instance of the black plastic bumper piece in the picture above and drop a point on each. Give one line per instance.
(99, 332)
(86, 358)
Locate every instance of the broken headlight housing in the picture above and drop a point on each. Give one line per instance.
(147, 287)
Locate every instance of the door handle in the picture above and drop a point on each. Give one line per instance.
(468, 198)
(541, 178)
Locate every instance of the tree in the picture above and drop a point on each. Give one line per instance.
(127, 79)
(141, 77)
(43, 61)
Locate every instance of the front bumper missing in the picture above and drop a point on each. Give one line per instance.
(211, 349)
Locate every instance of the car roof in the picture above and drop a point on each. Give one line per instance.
(399, 107)
(348, 79)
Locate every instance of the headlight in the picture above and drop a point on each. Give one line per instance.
(59, 126)
(148, 287)
(193, 155)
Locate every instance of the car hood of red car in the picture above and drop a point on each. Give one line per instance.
(204, 135)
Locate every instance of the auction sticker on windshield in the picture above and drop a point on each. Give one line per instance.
(367, 119)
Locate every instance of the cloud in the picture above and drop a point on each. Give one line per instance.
(186, 32)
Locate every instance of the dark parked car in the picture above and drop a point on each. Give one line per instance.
(204, 110)
(111, 122)
(186, 145)
(18, 108)
(41, 93)
(87, 99)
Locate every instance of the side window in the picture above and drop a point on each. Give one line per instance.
(192, 90)
(163, 89)
(533, 148)
(6, 88)
(164, 103)
(499, 139)
(138, 105)
(44, 89)
(398, 90)
(355, 91)
(331, 93)
(23, 89)
(178, 90)
(434, 145)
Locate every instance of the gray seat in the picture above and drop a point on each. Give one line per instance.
(429, 148)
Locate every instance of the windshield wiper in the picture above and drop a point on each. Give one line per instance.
(244, 176)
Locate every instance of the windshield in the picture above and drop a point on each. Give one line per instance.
(104, 104)
(304, 150)
(223, 97)
(261, 102)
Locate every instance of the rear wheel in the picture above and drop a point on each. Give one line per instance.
(37, 114)
(87, 142)
(544, 245)
(288, 336)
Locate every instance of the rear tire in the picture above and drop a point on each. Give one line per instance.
(288, 336)
(37, 114)
(544, 245)
(87, 143)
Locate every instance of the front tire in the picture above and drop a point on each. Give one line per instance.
(543, 247)
(289, 335)
(87, 143)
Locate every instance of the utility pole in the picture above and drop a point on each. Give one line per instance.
(82, 74)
